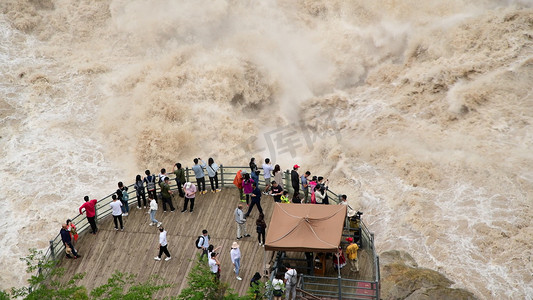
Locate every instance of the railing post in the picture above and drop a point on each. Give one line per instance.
(222, 174)
(52, 251)
(288, 183)
(95, 213)
(187, 174)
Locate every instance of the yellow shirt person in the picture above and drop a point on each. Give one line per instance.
(351, 251)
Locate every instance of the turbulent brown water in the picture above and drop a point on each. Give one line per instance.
(421, 111)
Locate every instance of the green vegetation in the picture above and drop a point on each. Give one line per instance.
(46, 283)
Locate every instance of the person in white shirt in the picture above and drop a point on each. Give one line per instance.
(235, 254)
(153, 210)
(349, 210)
(291, 278)
(203, 244)
(277, 285)
(190, 193)
(214, 266)
(267, 169)
(116, 207)
(163, 245)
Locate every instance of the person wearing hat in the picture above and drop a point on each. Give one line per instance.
(295, 180)
(190, 193)
(351, 251)
(235, 254)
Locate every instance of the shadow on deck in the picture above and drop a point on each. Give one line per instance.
(133, 250)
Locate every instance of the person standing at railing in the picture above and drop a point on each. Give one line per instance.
(124, 197)
(237, 181)
(312, 185)
(116, 211)
(180, 178)
(166, 195)
(212, 172)
(162, 175)
(72, 229)
(322, 186)
(295, 180)
(190, 193)
(277, 191)
(199, 175)
(320, 195)
(67, 241)
(150, 184)
(277, 175)
(267, 168)
(90, 213)
(350, 212)
(139, 190)
(254, 172)
(305, 185)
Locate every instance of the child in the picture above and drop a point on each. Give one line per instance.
(285, 197)
(339, 261)
(72, 229)
(153, 210)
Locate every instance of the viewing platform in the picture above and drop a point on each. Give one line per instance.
(133, 250)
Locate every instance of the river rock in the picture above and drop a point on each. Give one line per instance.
(401, 278)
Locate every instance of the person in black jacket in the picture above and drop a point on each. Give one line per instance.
(67, 241)
(295, 180)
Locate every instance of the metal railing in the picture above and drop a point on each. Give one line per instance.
(328, 287)
(226, 175)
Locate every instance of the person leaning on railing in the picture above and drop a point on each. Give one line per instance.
(180, 178)
(90, 212)
(199, 175)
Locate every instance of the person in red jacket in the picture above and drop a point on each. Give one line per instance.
(237, 181)
(90, 212)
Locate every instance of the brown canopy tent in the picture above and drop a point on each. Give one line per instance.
(305, 227)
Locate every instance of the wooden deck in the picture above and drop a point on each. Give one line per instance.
(133, 250)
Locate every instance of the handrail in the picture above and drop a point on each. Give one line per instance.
(348, 290)
(307, 294)
(102, 209)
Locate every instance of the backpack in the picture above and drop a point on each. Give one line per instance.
(293, 278)
(150, 183)
(198, 240)
(125, 195)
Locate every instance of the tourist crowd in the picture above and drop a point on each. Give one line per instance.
(306, 189)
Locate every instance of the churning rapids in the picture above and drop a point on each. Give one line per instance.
(420, 111)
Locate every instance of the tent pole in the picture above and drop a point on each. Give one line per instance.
(339, 276)
(264, 261)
